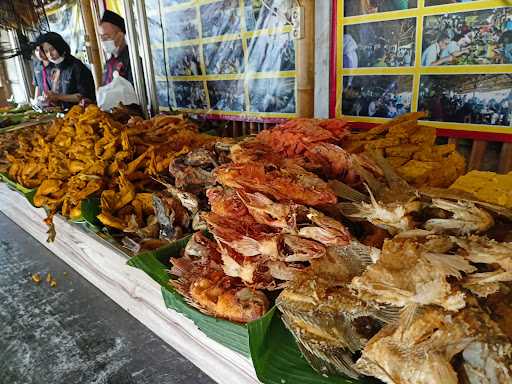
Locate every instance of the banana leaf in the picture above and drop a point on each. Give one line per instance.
(274, 352)
(27, 192)
(156, 264)
(89, 210)
(276, 356)
(231, 335)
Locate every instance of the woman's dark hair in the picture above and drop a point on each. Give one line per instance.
(443, 36)
(56, 41)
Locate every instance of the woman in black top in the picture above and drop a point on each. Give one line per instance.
(71, 81)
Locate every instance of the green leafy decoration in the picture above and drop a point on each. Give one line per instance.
(278, 360)
(27, 192)
(156, 265)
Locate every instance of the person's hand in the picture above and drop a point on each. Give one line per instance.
(461, 52)
(52, 97)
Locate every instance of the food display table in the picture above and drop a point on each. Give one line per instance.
(106, 268)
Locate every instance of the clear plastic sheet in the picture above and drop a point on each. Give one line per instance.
(67, 21)
(231, 58)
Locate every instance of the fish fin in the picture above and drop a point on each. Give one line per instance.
(387, 314)
(343, 191)
(167, 185)
(497, 276)
(389, 173)
(356, 257)
(351, 210)
(449, 265)
(362, 252)
(332, 362)
(408, 314)
(375, 185)
(412, 233)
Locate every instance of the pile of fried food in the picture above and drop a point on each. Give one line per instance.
(487, 186)
(404, 284)
(428, 306)
(11, 141)
(265, 222)
(410, 149)
(89, 154)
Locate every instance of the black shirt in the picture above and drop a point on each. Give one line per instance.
(74, 77)
(121, 64)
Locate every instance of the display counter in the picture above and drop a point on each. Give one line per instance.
(105, 267)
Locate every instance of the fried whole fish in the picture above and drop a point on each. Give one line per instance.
(283, 183)
(411, 272)
(329, 322)
(204, 285)
(421, 351)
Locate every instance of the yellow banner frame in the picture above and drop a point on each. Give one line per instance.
(246, 76)
(417, 70)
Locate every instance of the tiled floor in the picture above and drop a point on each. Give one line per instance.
(72, 334)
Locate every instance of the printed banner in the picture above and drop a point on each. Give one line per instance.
(232, 58)
(449, 58)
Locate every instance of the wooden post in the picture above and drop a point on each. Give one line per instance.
(453, 140)
(477, 154)
(91, 41)
(306, 63)
(505, 164)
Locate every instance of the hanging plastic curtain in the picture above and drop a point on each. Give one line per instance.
(67, 21)
(230, 58)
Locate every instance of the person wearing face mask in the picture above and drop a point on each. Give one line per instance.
(42, 70)
(112, 32)
(71, 81)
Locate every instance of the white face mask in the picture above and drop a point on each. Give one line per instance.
(57, 61)
(109, 47)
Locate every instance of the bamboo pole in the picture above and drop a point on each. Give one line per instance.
(477, 155)
(306, 63)
(505, 164)
(91, 41)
